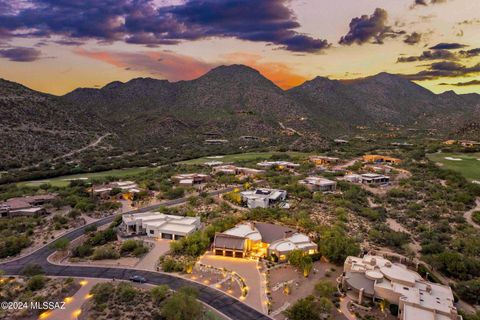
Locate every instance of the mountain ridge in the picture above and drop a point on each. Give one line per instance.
(145, 114)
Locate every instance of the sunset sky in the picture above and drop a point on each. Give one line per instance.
(56, 46)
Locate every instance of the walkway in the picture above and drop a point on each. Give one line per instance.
(74, 304)
(468, 215)
(344, 308)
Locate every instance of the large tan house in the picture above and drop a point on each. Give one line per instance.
(375, 158)
(25, 206)
(190, 179)
(376, 278)
(319, 184)
(261, 240)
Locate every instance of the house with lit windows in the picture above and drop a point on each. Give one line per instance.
(373, 277)
(257, 239)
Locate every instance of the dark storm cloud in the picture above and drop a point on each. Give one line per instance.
(444, 69)
(469, 22)
(462, 84)
(469, 53)
(141, 22)
(20, 54)
(413, 38)
(421, 2)
(426, 3)
(447, 46)
(371, 28)
(66, 42)
(447, 66)
(430, 55)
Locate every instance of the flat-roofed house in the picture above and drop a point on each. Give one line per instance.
(354, 178)
(128, 189)
(25, 206)
(375, 158)
(319, 184)
(374, 179)
(159, 225)
(374, 277)
(278, 164)
(263, 198)
(225, 169)
(234, 170)
(261, 240)
(190, 179)
(323, 160)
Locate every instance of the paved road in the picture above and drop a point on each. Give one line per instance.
(224, 303)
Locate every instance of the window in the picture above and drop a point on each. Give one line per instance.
(152, 231)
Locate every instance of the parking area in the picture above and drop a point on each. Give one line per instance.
(248, 270)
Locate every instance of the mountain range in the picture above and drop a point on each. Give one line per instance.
(228, 102)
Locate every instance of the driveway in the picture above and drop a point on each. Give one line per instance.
(149, 261)
(247, 269)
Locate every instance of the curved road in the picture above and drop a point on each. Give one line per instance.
(224, 303)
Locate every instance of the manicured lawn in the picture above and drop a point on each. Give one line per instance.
(63, 181)
(243, 157)
(468, 164)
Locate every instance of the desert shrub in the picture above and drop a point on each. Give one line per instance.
(13, 245)
(105, 252)
(135, 247)
(126, 292)
(159, 293)
(31, 270)
(36, 282)
(81, 251)
(102, 292)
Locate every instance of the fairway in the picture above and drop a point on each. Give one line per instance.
(468, 164)
(63, 181)
(248, 156)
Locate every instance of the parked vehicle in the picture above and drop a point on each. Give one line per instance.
(138, 279)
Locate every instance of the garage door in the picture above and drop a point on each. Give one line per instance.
(238, 254)
(219, 252)
(168, 236)
(178, 237)
(228, 253)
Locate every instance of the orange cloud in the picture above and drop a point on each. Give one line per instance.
(100, 55)
(279, 73)
(169, 65)
(175, 67)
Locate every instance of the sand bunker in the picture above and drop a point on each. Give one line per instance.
(453, 159)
